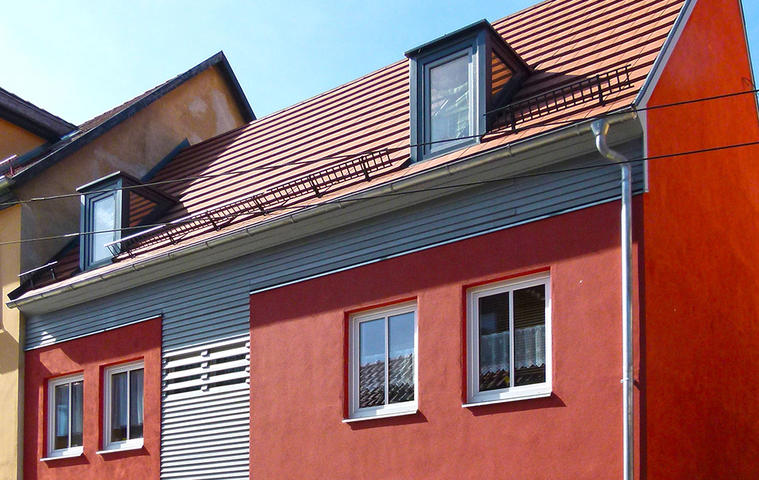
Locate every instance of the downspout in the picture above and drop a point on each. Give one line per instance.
(600, 128)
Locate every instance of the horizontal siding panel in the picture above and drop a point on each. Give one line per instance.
(196, 458)
(212, 303)
(230, 434)
(206, 428)
(205, 433)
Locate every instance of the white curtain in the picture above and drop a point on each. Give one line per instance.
(529, 349)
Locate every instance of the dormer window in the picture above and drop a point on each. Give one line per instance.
(113, 207)
(455, 80)
(103, 219)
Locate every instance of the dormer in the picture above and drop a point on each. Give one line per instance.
(455, 80)
(111, 208)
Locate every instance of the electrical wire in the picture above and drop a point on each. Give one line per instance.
(491, 135)
(423, 190)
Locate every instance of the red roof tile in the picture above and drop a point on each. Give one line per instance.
(561, 40)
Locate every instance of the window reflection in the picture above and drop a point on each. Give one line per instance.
(449, 102)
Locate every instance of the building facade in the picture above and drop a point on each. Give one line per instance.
(418, 274)
(48, 156)
(24, 127)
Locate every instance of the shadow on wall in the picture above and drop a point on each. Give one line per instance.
(8, 348)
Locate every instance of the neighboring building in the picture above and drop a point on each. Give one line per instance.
(53, 157)
(418, 274)
(23, 128)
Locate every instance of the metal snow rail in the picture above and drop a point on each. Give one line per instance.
(593, 88)
(311, 185)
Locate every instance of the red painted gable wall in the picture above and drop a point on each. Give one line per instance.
(702, 260)
(298, 365)
(91, 354)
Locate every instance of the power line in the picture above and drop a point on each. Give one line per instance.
(493, 134)
(423, 190)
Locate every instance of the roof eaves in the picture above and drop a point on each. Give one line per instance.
(32, 118)
(90, 135)
(504, 151)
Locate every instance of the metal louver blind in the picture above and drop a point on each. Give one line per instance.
(205, 422)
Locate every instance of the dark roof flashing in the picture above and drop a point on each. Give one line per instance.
(103, 181)
(103, 125)
(482, 27)
(32, 118)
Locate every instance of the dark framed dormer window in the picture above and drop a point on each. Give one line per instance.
(102, 211)
(111, 208)
(455, 81)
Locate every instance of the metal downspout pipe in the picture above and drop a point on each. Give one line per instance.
(600, 128)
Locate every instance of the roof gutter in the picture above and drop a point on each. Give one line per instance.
(505, 152)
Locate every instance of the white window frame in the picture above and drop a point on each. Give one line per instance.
(524, 392)
(131, 443)
(51, 384)
(387, 410)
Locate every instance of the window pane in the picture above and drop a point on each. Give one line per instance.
(119, 407)
(371, 373)
(135, 403)
(401, 358)
(76, 414)
(530, 335)
(500, 74)
(494, 341)
(449, 101)
(103, 218)
(61, 439)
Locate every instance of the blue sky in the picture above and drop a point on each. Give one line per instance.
(78, 59)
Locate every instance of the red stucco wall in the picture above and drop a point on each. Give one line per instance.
(298, 365)
(702, 260)
(91, 354)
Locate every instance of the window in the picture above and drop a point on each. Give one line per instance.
(509, 340)
(114, 207)
(448, 101)
(122, 412)
(382, 364)
(455, 81)
(103, 221)
(64, 397)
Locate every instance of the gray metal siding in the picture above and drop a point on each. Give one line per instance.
(212, 303)
(205, 419)
(205, 411)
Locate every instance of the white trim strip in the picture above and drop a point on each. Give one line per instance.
(649, 85)
(62, 457)
(377, 417)
(136, 446)
(508, 399)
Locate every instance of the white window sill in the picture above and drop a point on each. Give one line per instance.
(123, 448)
(69, 454)
(377, 417)
(514, 398)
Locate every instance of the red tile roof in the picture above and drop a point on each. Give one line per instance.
(561, 40)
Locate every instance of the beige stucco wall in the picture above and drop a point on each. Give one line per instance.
(10, 351)
(16, 140)
(199, 109)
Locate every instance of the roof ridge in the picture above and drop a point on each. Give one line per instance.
(62, 124)
(27, 102)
